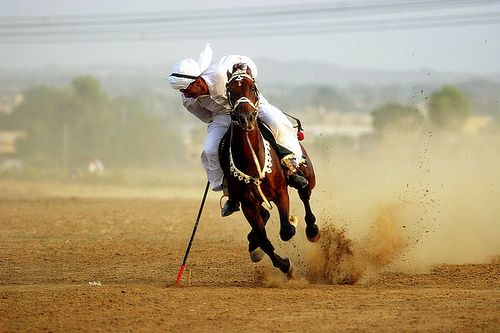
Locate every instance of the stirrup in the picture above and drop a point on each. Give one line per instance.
(295, 179)
(289, 162)
(229, 208)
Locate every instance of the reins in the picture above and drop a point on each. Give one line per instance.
(262, 171)
(267, 167)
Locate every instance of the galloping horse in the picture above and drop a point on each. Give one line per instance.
(254, 173)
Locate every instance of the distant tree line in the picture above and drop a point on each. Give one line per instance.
(67, 127)
(447, 109)
(481, 96)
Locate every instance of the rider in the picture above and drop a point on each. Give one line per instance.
(203, 89)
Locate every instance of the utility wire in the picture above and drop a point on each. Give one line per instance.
(303, 23)
(162, 37)
(236, 13)
(261, 23)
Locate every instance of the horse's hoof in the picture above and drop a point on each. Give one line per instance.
(294, 220)
(256, 255)
(312, 233)
(286, 235)
(314, 239)
(290, 274)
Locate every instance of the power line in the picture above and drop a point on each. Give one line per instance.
(236, 13)
(154, 27)
(162, 37)
(303, 23)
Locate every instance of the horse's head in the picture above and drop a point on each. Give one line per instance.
(243, 96)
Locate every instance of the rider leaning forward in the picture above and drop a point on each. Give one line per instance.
(203, 91)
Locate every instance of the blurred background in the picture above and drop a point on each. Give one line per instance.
(83, 95)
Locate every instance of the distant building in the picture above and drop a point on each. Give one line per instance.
(351, 125)
(476, 124)
(8, 140)
(8, 103)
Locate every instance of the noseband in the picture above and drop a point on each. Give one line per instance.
(238, 75)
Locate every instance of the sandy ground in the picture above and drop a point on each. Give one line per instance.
(102, 264)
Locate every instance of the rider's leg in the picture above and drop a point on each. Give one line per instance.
(294, 175)
(210, 159)
(288, 161)
(210, 154)
(285, 136)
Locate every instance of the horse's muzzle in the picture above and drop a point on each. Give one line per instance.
(249, 128)
(247, 121)
(246, 126)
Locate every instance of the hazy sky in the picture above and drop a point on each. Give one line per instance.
(471, 49)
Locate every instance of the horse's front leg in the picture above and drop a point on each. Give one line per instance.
(254, 217)
(256, 253)
(287, 229)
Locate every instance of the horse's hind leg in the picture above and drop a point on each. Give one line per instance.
(256, 253)
(312, 230)
(259, 235)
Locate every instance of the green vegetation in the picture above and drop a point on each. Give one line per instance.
(396, 116)
(67, 127)
(448, 108)
(140, 140)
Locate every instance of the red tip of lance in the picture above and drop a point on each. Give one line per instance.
(179, 276)
(300, 135)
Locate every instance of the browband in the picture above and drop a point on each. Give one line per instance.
(186, 76)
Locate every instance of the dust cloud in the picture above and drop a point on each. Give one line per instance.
(404, 204)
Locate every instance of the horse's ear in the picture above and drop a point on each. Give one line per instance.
(249, 71)
(229, 75)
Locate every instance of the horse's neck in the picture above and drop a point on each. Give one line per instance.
(242, 152)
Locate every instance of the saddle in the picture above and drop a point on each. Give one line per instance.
(266, 133)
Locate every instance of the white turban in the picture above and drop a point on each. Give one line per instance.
(187, 70)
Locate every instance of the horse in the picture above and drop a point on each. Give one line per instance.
(254, 173)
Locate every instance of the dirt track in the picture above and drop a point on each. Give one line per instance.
(52, 248)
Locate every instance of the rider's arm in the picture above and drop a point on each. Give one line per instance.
(200, 112)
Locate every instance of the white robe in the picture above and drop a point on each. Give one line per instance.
(214, 109)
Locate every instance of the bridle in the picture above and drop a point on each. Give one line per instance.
(266, 167)
(238, 76)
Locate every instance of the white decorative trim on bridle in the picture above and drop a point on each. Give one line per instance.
(238, 75)
(246, 100)
(267, 167)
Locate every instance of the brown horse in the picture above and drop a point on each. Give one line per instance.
(254, 173)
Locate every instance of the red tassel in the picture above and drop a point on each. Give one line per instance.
(300, 135)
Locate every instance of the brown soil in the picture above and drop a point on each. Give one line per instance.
(79, 265)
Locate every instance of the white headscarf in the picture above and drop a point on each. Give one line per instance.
(187, 70)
